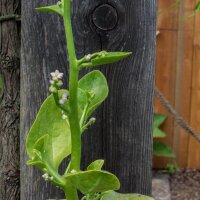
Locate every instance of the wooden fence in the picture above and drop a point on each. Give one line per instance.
(178, 77)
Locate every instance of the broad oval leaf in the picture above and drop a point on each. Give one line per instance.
(49, 122)
(109, 57)
(94, 82)
(96, 165)
(58, 9)
(111, 195)
(93, 181)
(161, 149)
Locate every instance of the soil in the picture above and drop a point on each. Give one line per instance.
(185, 185)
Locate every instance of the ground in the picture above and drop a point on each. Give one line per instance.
(185, 185)
(182, 185)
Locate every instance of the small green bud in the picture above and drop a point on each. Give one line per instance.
(93, 120)
(53, 89)
(59, 83)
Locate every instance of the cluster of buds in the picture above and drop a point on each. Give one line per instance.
(56, 81)
(63, 98)
(47, 177)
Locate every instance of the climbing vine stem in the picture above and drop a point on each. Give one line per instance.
(73, 102)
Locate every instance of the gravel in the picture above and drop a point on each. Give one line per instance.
(185, 185)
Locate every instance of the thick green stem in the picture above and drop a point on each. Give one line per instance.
(73, 91)
(70, 191)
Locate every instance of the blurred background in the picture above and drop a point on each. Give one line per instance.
(178, 78)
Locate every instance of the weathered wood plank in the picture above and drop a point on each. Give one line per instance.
(175, 64)
(194, 147)
(122, 134)
(184, 80)
(166, 68)
(9, 101)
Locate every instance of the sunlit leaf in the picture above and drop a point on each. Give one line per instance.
(111, 195)
(109, 57)
(93, 181)
(95, 83)
(57, 8)
(82, 101)
(49, 122)
(96, 165)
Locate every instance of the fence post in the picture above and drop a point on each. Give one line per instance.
(9, 100)
(122, 134)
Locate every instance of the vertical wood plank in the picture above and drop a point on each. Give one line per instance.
(194, 146)
(166, 69)
(180, 77)
(123, 132)
(9, 101)
(183, 82)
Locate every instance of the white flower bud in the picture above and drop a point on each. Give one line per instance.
(64, 116)
(56, 75)
(63, 99)
(88, 57)
(45, 176)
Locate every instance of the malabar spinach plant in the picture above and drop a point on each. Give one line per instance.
(159, 148)
(65, 115)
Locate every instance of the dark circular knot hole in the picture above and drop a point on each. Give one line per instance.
(105, 17)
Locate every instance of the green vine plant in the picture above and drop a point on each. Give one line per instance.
(65, 115)
(159, 148)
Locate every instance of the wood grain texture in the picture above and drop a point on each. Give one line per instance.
(166, 69)
(194, 146)
(183, 80)
(177, 77)
(9, 102)
(122, 134)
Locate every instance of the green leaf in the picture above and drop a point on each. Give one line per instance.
(96, 165)
(93, 181)
(49, 122)
(57, 8)
(82, 102)
(39, 164)
(157, 133)
(159, 119)
(197, 7)
(109, 57)
(111, 195)
(96, 84)
(161, 149)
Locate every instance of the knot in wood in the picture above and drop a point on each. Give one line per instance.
(105, 17)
